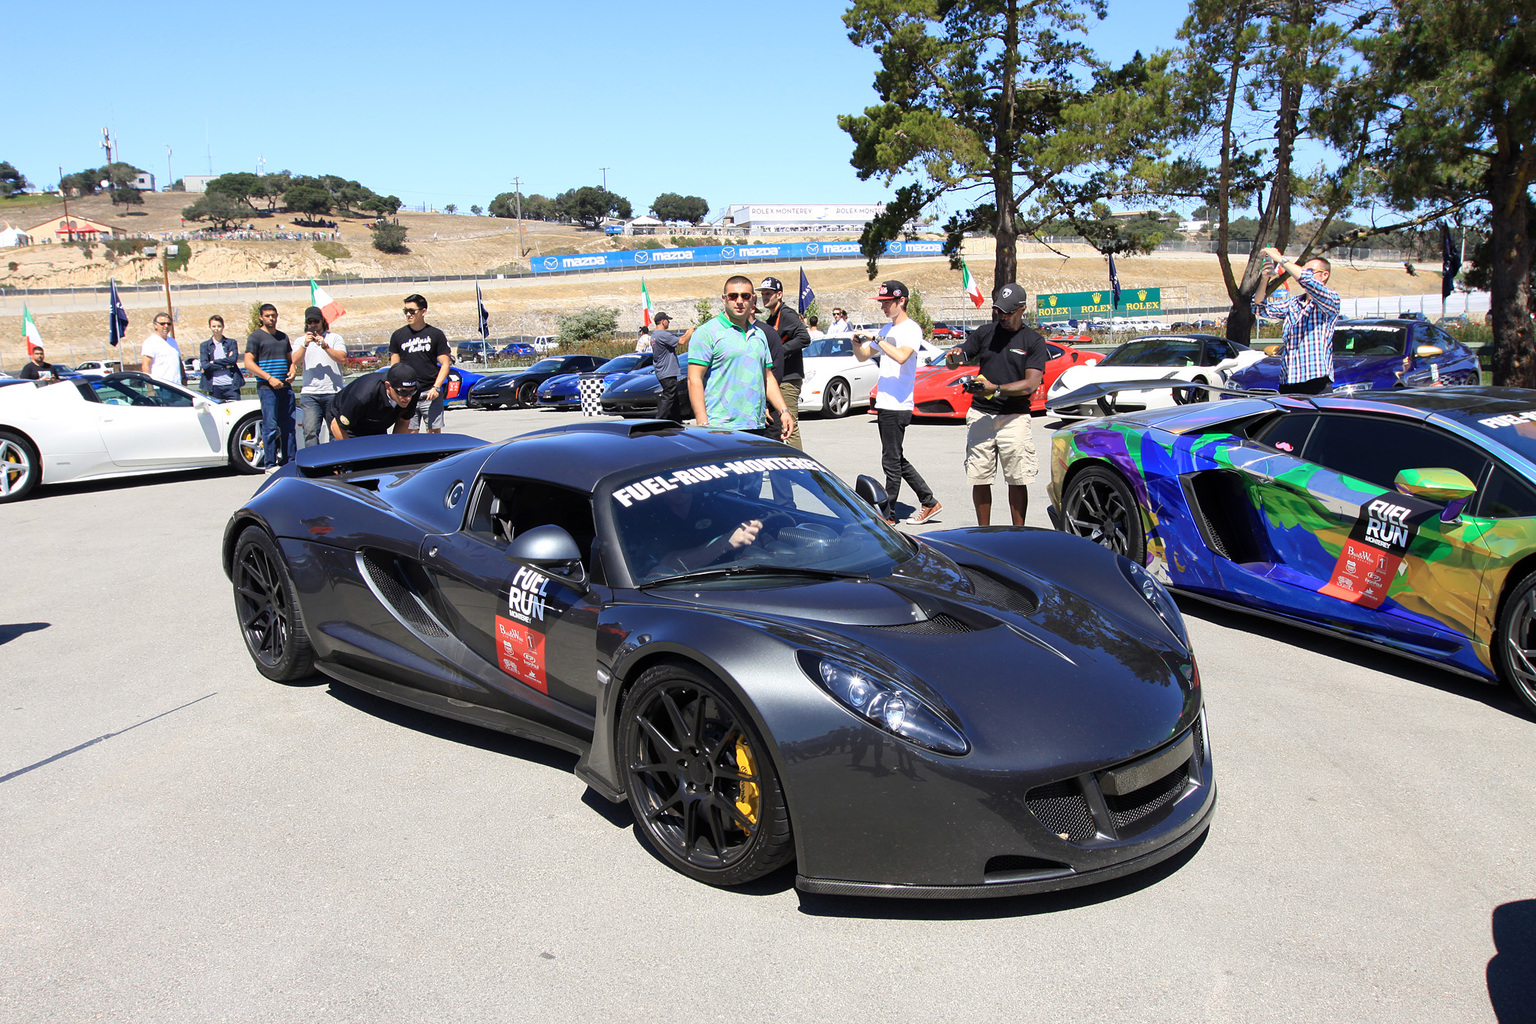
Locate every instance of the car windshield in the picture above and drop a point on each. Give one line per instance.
(138, 391)
(837, 345)
(1155, 352)
(546, 364)
(750, 514)
(621, 364)
(1369, 340)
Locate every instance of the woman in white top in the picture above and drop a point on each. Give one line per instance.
(320, 357)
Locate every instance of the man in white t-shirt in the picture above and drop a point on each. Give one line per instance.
(160, 358)
(319, 357)
(896, 347)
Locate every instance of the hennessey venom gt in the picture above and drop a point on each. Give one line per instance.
(732, 640)
(1402, 519)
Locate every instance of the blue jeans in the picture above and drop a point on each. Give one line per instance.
(277, 435)
(315, 412)
(229, 393)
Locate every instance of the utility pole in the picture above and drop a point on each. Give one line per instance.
(168, 178)
(605, 178)
(517, 192)
(68, 225)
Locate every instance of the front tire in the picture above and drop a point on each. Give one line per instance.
(702, 787)
(245, 445)
(527, 396)
(1515, 642)
(837, 399)
(268, 610)
(1099, 506)
(20, 467)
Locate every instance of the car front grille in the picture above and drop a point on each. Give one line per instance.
(934, 408)
(1062, 808)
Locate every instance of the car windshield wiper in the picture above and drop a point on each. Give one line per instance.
(756, 569)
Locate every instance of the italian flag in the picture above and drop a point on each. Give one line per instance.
(972, 289)
(329, 307)
(29, 331)
(645, 298)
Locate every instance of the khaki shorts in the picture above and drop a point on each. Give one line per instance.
(991, 438)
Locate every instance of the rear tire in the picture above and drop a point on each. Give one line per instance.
(1191, 396)
(1515, 643)
(1099, 506)
(245, 445)
(20, 467)
(267, 608)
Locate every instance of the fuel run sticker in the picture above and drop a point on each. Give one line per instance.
(1376, 547)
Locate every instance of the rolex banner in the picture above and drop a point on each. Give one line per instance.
(1086, 305)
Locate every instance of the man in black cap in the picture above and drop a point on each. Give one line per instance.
(793, 337)
(375, 402)
(664, 353)
(999, 427)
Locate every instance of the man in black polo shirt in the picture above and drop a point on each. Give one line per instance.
(999, 427)
(375, 402)
(793, 337)
(38, 369)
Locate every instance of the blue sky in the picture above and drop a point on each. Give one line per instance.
(448, 105)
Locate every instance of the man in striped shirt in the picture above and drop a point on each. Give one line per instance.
(269, 358)
(1308, 313)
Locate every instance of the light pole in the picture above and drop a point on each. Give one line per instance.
(605, 178)
(517, 193)
(168, 178)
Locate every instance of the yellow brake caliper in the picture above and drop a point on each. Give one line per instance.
(747, 795)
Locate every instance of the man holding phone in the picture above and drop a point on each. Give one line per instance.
(319, 356)
(1308, 312)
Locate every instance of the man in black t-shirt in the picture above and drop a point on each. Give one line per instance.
(793, 337)
(999, 427)
(39, 369)
(424, 349)
(374, 403)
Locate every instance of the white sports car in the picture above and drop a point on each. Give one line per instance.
(835, 381)
(125, 424)
(1198, 358)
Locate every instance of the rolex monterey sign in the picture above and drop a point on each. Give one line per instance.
(1085, 305)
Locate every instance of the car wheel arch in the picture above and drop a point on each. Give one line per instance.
(37, 456)
(1516, 575)
(237, 526)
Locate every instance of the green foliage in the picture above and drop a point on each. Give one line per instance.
(253, 319)
(389, 237)
(245, 187)
(307, 199)
(124, 246)
(688, 241)
(126, 196)
(476, 210)
(179, 185)
(332, 250)
(917, 311)
(221, 209)
(589, 204)
(535, 207)
(671, 206)
(12, 180)
(591, 324)
(88, 182)
(180, 260)
(450, 208)
(641, 243)
(704, 311)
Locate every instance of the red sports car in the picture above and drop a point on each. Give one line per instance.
(937, 391)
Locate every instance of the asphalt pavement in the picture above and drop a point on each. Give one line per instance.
(183, 840)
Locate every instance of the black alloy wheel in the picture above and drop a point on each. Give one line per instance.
(836, 401)
(19, 467)
(1515, 643)
(1099, 506)
(703, 790)
(267, 610)
(1191, 396)
(245, 445)
(527, 395)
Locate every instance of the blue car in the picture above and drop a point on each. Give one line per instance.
(518, 350)
(564, 391)
(456, 386)
(1378, 355)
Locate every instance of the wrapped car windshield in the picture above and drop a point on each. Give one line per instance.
(784, 512)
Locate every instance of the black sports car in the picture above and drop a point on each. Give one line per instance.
(521, 389)
(732, 640)
(637, 394)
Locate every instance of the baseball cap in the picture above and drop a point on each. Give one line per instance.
(659, 317)
(314, 313)
(402, 378)
(893, 290)
(771, 284)
(1009, 298)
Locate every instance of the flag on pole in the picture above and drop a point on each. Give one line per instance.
(1450, 262)
(329, 307)
(29, 331)
(645, 297)
(1114, 281)
(485, 318)
(972, 289)
(806, 295)
(117, 317)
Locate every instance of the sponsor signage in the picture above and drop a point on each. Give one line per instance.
(1085, 305)
(726, 254)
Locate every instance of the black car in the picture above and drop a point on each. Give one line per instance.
(520, 390)
(734, 641)
(637, 394)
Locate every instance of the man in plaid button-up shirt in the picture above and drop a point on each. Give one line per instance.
(1306, 341)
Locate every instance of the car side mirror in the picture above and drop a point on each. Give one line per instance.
(1428, 351)
(549, 548)
(1440, 485)
(870, 489)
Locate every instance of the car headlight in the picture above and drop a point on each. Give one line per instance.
(1158, 597)
(886, 705)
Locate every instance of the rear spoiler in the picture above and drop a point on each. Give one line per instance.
(1091, 393)
(381, 452)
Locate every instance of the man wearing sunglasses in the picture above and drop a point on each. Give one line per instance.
(730, 369)
(424, 349)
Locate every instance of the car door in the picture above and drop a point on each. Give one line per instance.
(535, 626)
(1363, 554)
(145, 424)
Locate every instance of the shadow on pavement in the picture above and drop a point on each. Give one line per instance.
(11, 630)
(1512, 971)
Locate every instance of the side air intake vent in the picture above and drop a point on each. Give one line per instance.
(397, 596)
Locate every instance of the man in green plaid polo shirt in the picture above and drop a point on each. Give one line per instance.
(730, 370)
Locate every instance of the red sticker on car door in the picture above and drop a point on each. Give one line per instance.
(520, 651)
(1375, 548)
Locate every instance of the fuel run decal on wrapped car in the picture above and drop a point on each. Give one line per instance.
(1376, 547)
(519, 645)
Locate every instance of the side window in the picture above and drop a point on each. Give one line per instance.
(1288, 433)
(1376, 450)
(1054, 352)
(1506, 496)
(502, 508)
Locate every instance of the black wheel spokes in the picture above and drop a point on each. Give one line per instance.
(262, 607)
(1098, 514)
(686, 764)
(1522, 652)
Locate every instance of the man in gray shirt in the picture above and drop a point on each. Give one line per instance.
(664, 352)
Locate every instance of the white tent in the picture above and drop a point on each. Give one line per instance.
(10, 237)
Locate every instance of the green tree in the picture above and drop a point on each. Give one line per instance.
(307, 199)
(242, 187)
(450, 208)
(671, 206)
(88, 182)
(589, 204)
(476, 210)
(538, 207)
(704, 311)
(389, 237)
(127, 195)
(504, 205)
(12, 180)
(595, 323)
(917, 311)
(220, 209)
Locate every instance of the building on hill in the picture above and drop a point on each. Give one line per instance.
(197, 182)
(144, 181)
(64, 229)
(821, 218)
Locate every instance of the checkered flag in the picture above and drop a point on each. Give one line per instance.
(591, 394)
